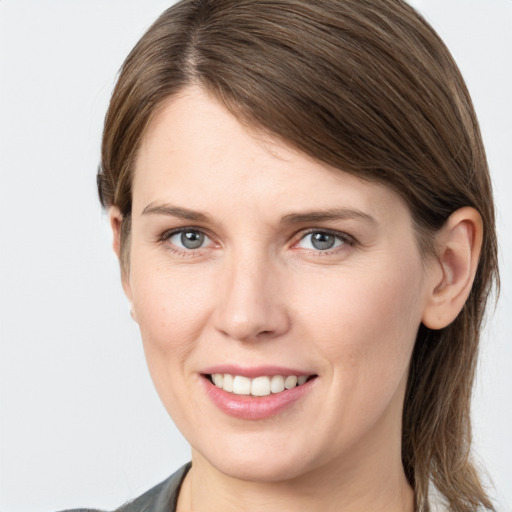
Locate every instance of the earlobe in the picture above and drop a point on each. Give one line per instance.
(452, 274)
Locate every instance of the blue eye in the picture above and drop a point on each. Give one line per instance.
(321, 241)
(189, 239)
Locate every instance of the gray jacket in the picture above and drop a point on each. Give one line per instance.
(161, 498)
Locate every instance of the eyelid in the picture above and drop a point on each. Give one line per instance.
(348, 240)
(345, 237)
(168, 234)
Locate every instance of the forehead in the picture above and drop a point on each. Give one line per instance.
(194, 150)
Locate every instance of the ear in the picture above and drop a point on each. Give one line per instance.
(116, 218)
(453, 270)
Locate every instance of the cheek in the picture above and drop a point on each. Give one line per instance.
(171, 309)
(366, 322)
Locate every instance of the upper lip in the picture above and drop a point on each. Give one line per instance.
(254, 371)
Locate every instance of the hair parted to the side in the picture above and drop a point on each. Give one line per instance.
(368, 87)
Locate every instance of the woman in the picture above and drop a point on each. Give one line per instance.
(303, 217)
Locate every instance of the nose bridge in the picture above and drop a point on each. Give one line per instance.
(251, 305)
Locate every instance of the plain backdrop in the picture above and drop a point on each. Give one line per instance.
(80, 423)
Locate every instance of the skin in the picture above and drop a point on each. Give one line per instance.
(257, 293)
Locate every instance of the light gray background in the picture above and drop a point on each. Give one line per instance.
(80, 424)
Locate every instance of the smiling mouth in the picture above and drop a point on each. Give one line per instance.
(259, 386)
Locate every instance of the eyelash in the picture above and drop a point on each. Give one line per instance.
(346, 240)
(167, 235)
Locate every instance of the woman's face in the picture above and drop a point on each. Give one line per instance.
(249, 260)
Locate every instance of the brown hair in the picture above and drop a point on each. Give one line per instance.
(365, 86)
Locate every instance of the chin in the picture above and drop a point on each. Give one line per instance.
(257, 461)
(261, 469)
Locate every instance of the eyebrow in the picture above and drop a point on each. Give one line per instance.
(175, 211)
(326, 215)
(292, 218)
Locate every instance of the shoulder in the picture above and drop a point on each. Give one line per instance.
(161, 498)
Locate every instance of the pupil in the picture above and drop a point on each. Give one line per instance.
(322, 241)
(192, 239)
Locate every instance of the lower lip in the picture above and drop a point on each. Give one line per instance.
(250, 407)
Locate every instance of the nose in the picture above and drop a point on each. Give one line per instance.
(251, 304)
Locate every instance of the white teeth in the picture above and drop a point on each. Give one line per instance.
(259, 386)
(241, 385)
(228, 382)
(218, 379)
(277, 384)
(290, 382)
